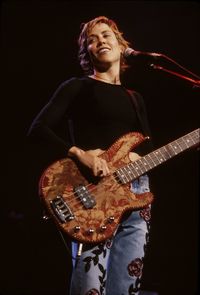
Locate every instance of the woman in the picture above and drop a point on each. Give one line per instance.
(97, 109)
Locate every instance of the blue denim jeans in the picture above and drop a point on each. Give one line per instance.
(115, 266)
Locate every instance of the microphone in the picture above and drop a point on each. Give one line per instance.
(130, 52)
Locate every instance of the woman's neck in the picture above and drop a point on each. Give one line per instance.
(107, 77)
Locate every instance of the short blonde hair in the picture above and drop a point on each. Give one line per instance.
(83, 54)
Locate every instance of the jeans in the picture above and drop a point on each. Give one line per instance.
(114, 267)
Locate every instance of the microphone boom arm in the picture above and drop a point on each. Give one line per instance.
(130, 52)
(196, 83)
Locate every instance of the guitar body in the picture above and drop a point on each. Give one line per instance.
(86, 208)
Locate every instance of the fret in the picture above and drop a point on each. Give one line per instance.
(179, 145)
(130, 172)
(124, 174)
(155, 158)
(151, 159)
(167, 152)
(138, 168)
(188, 141)
(159, 156)
(119, 176)
(192, 138)
(144, 165)
(184, 143)
(134, 169)
(164, 155)
(174, 148)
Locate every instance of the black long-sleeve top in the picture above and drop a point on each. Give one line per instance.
(89, 114)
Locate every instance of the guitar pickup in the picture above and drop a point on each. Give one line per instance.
(61, 209)
(84, 196)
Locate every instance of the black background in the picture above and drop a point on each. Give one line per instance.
(39, 51)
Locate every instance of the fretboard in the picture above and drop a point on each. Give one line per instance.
(144, 164)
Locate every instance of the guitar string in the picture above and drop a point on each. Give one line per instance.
(76, 198)
(93, 187)
(90, 187)
(80, 205)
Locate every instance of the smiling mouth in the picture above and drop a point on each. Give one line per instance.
(103, 50)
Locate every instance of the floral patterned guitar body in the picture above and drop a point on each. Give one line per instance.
(88, 208)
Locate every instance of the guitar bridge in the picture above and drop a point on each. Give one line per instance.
(61, 209)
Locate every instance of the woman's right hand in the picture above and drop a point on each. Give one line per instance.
(91, 159)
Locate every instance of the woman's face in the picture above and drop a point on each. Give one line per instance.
(103, 46)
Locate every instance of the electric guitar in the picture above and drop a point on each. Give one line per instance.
(88, 208)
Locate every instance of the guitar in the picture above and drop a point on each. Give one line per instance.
(90, 209)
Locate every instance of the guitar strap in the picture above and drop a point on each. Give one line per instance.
(134, 98)
(140, 109)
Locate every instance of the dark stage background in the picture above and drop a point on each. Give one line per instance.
(39, 52)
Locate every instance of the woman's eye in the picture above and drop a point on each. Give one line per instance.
(90, 41)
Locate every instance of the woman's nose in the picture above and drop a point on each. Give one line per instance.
(101, 41)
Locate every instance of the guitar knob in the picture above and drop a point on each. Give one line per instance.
(45, 217)
(71, 217)
(76, 228)
(111, 219)
(103, 227)
(90, 231)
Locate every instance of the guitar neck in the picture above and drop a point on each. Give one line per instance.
(144, 164)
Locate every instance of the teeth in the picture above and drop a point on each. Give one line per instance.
(103, 50)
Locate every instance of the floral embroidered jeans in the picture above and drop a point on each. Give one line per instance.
(115, 266)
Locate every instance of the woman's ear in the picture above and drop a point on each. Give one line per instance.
(122, 49)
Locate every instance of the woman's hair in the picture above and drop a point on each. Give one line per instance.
(83, 54)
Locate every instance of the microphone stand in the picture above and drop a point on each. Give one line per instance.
(196, 83)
